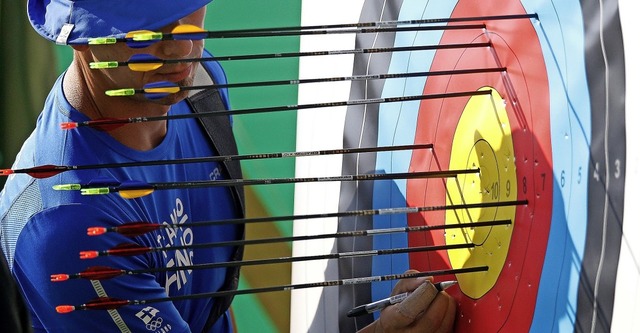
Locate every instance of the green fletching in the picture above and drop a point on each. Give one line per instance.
(95, 191)
(102, 41)
(103, 64)
(147, 36)
(67, 187)
(121, 92)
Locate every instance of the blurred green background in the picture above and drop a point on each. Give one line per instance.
(29, 65)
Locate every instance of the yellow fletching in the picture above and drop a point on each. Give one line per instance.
(186, 28)
(132, 194)
(132, 34)
(145, 67)
(162, 90)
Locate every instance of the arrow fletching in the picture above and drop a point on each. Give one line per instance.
(131, 229)
(158, 90)
(101, 303)
(124, 249)
(137, 44)
(120, 92)
(188, 32)
(144, 62)
(91, 273)
(181, 32)
(104, 124)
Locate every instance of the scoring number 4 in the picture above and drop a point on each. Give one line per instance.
(616, 173)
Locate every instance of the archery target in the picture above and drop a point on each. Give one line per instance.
(531, 139)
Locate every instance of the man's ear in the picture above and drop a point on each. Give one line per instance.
(80, 47)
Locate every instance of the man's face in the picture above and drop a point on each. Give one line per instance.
(180, 73)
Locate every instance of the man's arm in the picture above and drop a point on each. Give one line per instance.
(50, 244)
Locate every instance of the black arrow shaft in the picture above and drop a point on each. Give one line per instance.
(284, 108)
(104, 305)
(276, 181)
(343, 78)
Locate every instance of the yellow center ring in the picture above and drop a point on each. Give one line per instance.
(482, 140)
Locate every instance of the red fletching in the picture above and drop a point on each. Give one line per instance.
(100, 273)
(131, 229)
(128, 249)
(45, 171)
(105, 303)
(106, 124)
(134, 229)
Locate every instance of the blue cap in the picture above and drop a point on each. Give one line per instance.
(75, 21)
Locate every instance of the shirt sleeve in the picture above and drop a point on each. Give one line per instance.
(50, 244)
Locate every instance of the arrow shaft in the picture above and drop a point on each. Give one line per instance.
(342, 234)
(381, 24)
(97, 123)
(276, 181)
(283, 260)
(127, 228)
(341, 78)
(334, 31)
(306, 54)
(114, 303)
(223, 158)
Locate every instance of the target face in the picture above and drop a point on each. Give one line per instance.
(535, 138)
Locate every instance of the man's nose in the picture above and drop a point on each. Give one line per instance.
(172, 49)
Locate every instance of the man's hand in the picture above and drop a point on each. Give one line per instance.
(425, 310)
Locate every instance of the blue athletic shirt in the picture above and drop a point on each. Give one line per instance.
(44, 230)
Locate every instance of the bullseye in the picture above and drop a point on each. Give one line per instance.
(482, 139)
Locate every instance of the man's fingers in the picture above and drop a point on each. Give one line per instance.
(438, 318)
(424, 310)
(449, 318)
(414, 305)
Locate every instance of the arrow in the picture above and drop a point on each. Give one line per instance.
(132, 249)
(143, 62)
(109, 303)
(191, 32)
(104, 273)
(133, 229)
(112, 123)
(45, 171)
(135, 189)
(144, 38)
(162, 89)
